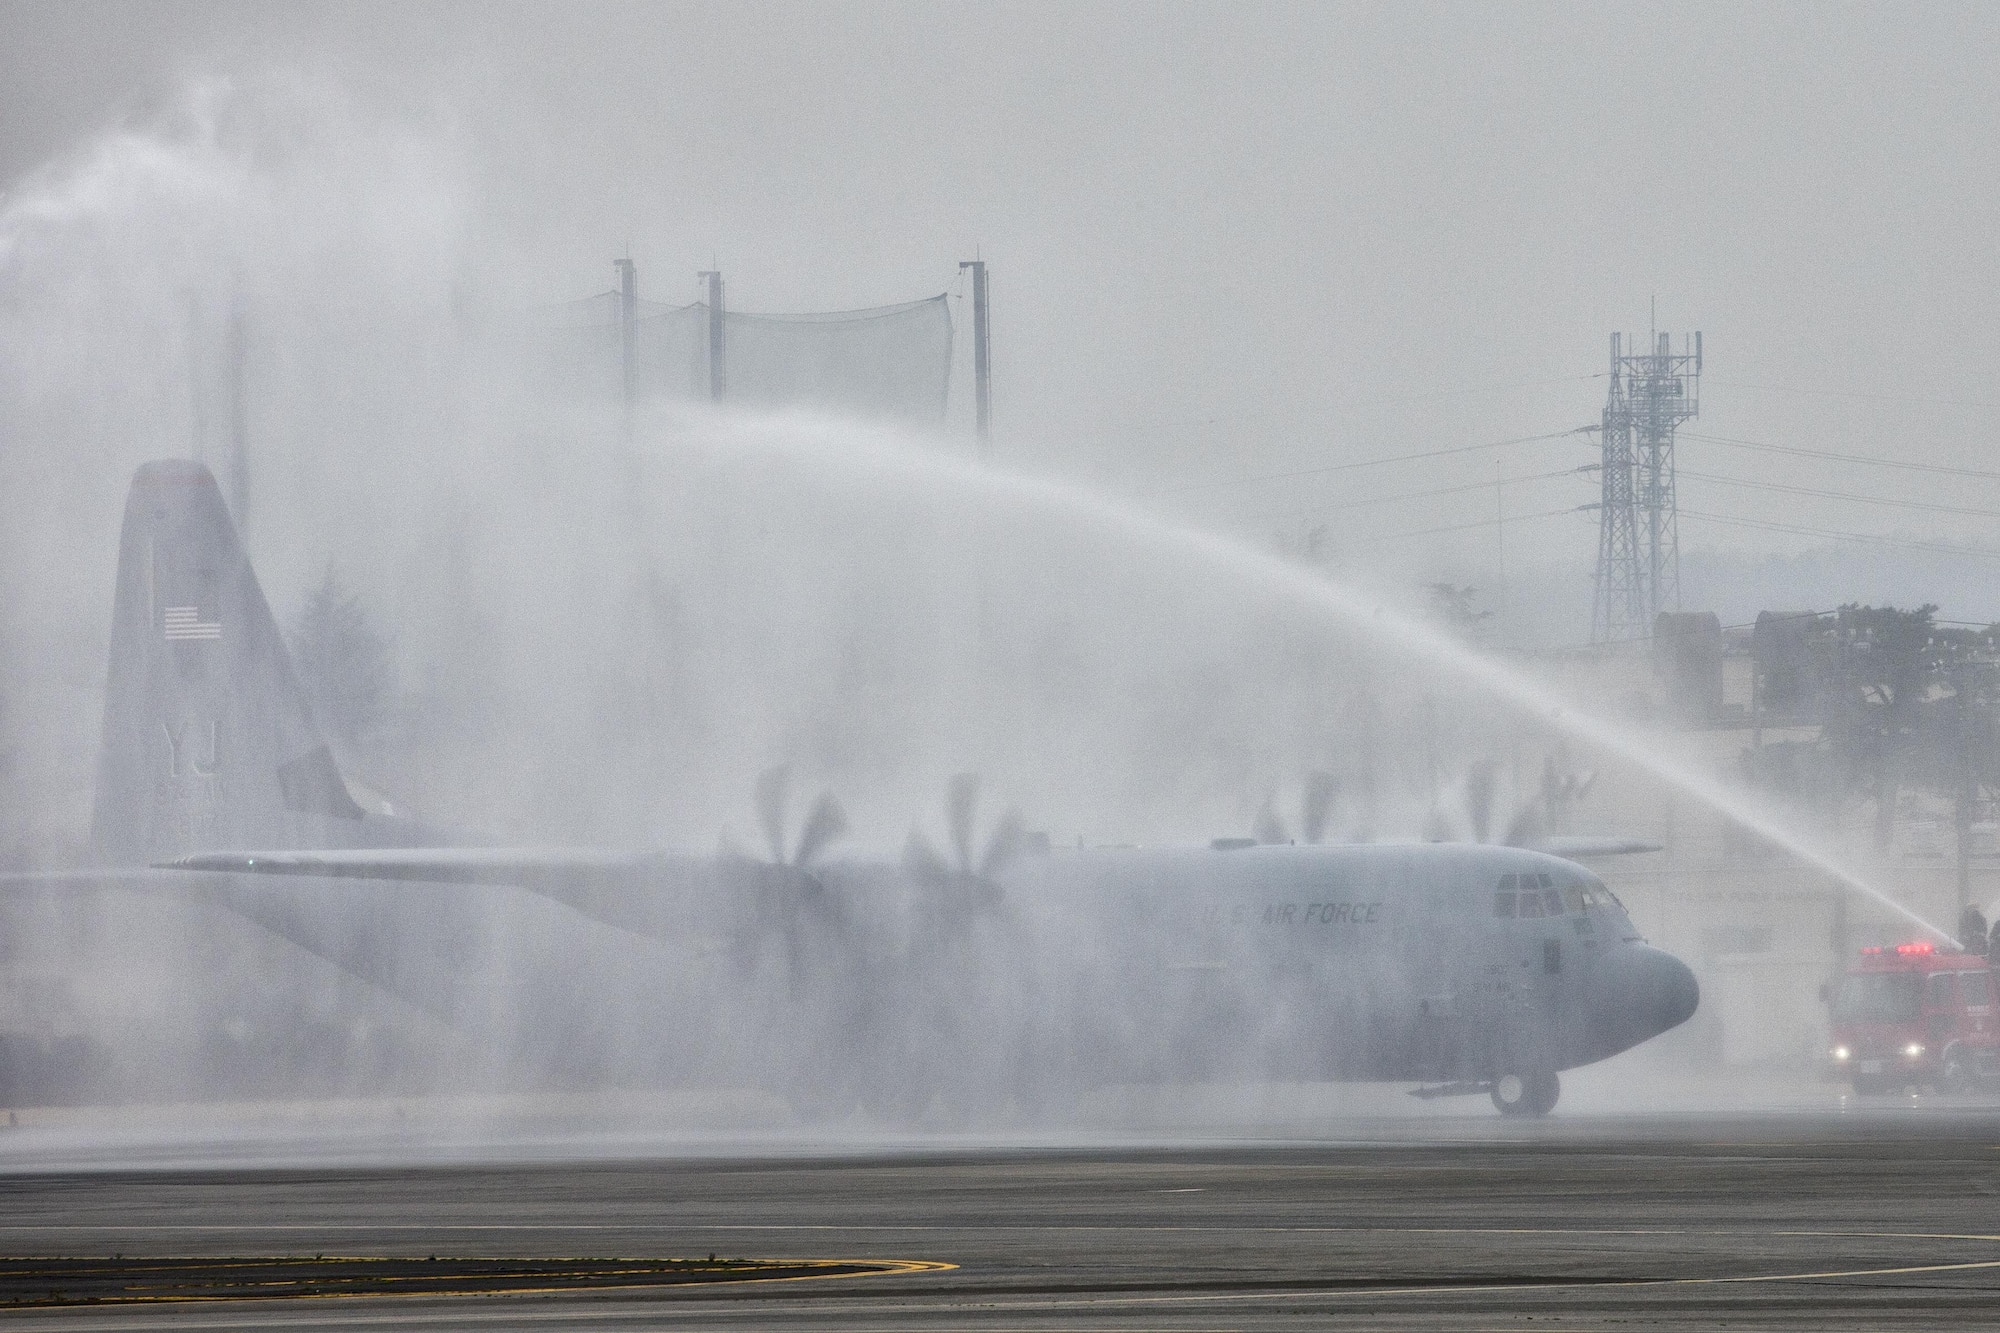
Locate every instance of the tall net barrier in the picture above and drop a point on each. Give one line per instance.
(889, 362)
(892, 361)
(669, 351)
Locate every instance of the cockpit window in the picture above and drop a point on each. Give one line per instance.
(1975, 988)
(1534, 895)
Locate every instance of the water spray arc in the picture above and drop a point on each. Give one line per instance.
(1306, 590)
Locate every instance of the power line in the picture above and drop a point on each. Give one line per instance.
(1371, 462)
(1475, 389)
(1802, 452)
(1840, 495)
(1483, 523)
(1188, 423)
(1854, 393)
(1401, 495)
(1765, 526)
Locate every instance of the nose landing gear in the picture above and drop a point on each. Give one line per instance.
(1531, 1093)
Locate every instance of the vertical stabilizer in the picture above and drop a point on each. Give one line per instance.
(208, 741)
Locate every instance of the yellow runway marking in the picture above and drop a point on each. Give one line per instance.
(1340, 1292)
(753, 1271)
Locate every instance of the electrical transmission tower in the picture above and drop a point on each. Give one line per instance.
(1638, 527)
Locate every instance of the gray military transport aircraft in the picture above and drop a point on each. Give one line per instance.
(1464, 968)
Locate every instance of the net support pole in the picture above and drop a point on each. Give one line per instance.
(718, 379)
(982, 359)
(628, 309)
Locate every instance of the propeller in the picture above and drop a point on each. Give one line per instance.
(1563, 788)
(790, 901)
(1315, 809)
(964, 885)
(825, 821)
(1483, 796)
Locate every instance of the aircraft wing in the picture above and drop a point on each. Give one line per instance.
(525, 867)
(654, 894)
(121, 877)
(1585, 846)
(518, 866)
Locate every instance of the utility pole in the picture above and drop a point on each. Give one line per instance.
(1651, 393)
(718, 346)
(1967, 678)
(628, 309)
(1962, 810)
(982, 353)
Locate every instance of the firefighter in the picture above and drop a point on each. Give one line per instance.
(1972, 931)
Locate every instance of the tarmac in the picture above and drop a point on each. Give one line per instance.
(1829, 1214)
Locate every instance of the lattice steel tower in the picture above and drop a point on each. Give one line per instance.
(1638, 528)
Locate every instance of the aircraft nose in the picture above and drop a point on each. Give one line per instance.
(1660, 991)
(1642, 993)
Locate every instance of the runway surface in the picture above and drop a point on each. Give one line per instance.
(1888, 1218)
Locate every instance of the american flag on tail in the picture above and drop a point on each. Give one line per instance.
(185, 622)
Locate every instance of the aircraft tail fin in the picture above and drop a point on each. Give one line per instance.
(208, 740)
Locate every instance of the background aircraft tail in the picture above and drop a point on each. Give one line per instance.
(208, 740)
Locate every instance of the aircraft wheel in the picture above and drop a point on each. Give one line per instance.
(1529, 1094)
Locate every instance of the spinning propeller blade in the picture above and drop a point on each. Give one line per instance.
(792, 905)
(825, 823)
(1492, 809)
(955, 887)
(773, 788)
(1269, 828)
(1316, 805)
(1480, 781)
(960, 799)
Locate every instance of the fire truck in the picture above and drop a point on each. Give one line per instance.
(1907, 1015)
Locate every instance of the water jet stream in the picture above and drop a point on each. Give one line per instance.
(812, 440)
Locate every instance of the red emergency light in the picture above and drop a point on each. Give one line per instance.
(1870, 950)
(1916, 947)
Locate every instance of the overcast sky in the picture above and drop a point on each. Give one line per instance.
(1234, 240)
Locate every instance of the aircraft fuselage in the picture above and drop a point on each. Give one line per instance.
(1370, 962)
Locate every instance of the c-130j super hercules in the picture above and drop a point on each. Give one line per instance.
(1004, 974)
